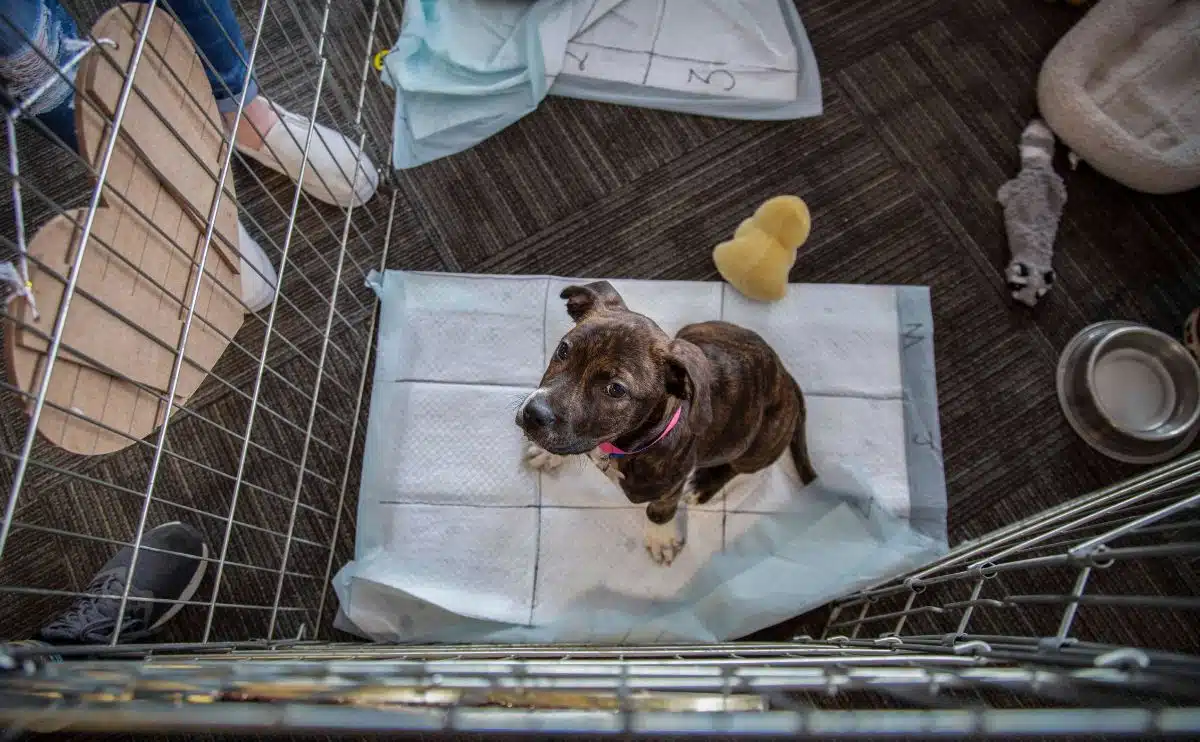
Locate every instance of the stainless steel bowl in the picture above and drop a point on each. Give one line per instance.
(1144, 383)
(1080, 406)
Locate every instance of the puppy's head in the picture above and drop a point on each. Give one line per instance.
(612, 374)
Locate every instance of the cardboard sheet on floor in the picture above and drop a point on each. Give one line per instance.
(459, 541)
(136, 277)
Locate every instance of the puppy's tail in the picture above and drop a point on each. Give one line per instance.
(799, 444)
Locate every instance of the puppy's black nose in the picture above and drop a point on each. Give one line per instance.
(538, 413)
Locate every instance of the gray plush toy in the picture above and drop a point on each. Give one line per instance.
(1033, 203)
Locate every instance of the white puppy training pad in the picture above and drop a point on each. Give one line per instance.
(458, 540)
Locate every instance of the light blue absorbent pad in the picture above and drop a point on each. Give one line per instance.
(465, 69)
(459, 541)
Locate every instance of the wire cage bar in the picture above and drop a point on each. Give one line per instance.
(261, 456)
(1020, 631)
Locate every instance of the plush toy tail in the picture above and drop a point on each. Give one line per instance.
(785, 218)
(1037, 144)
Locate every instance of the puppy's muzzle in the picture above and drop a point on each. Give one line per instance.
(546, 428)
(536, 414)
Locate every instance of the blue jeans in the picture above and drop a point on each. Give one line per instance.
(28, 27)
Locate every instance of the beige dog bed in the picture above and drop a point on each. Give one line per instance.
(1122, 89)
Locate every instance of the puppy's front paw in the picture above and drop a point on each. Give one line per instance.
(541, 459)
(605, 464)
(664, 541)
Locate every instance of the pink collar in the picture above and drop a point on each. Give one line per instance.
(612, 450)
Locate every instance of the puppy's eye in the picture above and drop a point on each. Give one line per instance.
(1048, 278)
(615, 390)
(562, 350)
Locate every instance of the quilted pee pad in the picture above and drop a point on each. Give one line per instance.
(459, 541)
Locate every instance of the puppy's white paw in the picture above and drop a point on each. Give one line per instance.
(664, 541)
(541, 459)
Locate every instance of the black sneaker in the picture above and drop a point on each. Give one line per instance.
(91, 620)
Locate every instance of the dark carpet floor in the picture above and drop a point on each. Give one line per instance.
(924, 103)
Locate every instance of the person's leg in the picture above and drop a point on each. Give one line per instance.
(339, 172)
(37, 37)
(37, 34)
(215, 31)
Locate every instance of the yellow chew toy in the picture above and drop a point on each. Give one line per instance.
(763, 249)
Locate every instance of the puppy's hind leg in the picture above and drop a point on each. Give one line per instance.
(704, 484)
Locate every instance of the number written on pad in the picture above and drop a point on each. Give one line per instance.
(579, 61)
(913, 334)
(723, 79)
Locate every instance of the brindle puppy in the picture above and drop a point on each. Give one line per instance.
(616, 377)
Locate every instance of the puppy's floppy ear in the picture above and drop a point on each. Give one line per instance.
(583, 300)
(689, 378)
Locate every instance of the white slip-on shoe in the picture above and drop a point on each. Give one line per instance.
(258, 286)
(333, 160)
